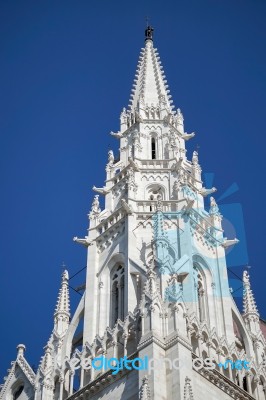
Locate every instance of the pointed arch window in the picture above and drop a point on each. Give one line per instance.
(154, 193)
(153, 149)
(117, 295)
(18, 392)
(201, 294)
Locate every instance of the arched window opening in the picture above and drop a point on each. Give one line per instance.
(151, 198)
(117, 295)
(195, 344)
(18, 392)
(244, 382)
(239, 334)
(201, 299)
(201, 295)
(153, 149)
(155, 192)
(115, 301)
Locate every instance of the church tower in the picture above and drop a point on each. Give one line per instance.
(156, 286)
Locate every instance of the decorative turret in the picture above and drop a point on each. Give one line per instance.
(250, 314)
(62, 311)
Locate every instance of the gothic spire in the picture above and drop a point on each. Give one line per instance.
(62, 310)
(150, 86)
(248, 299)
(250, 314)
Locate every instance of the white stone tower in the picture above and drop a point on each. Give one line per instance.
(156, 284)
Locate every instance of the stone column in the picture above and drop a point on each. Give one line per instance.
(81, 377)
(114, 343)
(61, 381)
(248, 374)
(125, 337)
(219, 351)
(71, 383)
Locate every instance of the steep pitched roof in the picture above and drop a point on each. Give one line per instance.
(21, 364)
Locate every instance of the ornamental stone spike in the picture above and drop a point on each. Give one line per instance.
(62, 310)
(250, 311)
(249, 303)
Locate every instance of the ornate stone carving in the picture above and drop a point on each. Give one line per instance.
(188, 394)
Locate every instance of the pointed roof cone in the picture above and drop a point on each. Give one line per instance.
(249, 303)
(150, 86)
(62, 310)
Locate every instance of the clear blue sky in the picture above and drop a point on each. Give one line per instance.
(66, 72)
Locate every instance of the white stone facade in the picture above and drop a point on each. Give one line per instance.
(156, 282)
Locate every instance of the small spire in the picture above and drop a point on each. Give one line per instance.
(248, 299)
(62, 310)
(250, 312)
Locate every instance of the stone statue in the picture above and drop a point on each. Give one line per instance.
(149, 32)
(95, 208)
(214, 209)
(195, 158)
(110, 157)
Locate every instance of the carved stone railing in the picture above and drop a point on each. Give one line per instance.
(100, 382)
(223, 383)
(154, 164)
(149, 206)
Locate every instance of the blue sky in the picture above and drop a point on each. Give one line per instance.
(66, 72)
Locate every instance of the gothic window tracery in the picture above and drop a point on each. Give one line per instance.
(201, 294)
(117, 295)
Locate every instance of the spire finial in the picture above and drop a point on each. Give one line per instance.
(62, 310)
(148, 32)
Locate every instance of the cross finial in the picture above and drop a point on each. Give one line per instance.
(147, 21)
